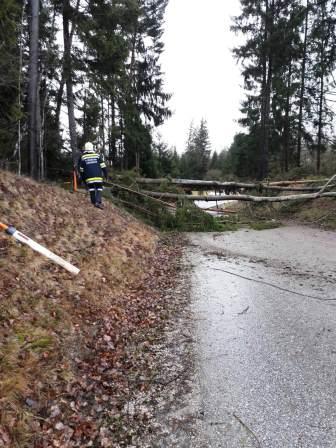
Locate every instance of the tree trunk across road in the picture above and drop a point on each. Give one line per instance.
(240, 197)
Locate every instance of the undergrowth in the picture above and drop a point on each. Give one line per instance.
(185, 217)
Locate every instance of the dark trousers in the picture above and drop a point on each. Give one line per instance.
(95, 190)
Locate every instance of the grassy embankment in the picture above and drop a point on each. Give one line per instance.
(317, 213)
(74, 350)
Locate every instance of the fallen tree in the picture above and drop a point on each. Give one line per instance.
(238, 197)
(138, 193)
(285, 183)
(189, 184)
(248, 198)
(159, 196)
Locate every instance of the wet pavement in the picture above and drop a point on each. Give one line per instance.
(264, 312)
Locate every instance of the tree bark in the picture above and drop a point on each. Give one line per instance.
(265, 161)
(287, 121)
(122, 152)
(59, 98)
(33, 89)
(320, 126)
(68, 79)
(263, 97)
(321, 99)
(266, 91)
(113, 153)
(39, 142)
(242, 197)
(302, 89)
(59, 101)
(199, 185)
(102, 122)
(18, 145)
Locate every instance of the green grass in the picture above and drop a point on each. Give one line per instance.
(265, 225)
(41, 343)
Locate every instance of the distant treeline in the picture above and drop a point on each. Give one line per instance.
(79, 70)
(288, 56)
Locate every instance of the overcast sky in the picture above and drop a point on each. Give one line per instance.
(200, 70)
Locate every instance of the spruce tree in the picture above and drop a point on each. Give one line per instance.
(196, 158)
(10, 113)
(323, 47)
(287, 60)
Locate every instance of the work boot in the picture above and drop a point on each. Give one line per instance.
(99, 205)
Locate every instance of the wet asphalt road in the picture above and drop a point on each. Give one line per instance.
(265, 357)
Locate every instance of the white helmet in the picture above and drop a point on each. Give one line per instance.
(88, 147)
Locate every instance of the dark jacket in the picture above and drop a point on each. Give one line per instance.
(91, 167)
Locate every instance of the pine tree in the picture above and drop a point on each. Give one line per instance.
(323, 36)
(111, 73)
(256, 22)
(288, 46)
(144, 86)
(303, 82)
(214, 161)
(196, 158)
(68, 77)
(10, 86)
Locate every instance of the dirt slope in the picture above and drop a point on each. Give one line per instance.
(69, 345)
(320, 213)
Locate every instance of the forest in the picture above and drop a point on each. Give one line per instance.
(73, 71)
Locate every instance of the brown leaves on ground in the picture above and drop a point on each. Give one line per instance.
(74, 351)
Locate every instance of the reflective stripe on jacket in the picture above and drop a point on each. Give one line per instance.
(91, 167)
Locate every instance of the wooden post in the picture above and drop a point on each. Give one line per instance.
(74, 181)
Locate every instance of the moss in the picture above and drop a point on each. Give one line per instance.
(265, 225)
(229, 227)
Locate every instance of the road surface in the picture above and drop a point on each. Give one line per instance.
(265, 352)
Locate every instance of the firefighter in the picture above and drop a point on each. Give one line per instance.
(92, 168)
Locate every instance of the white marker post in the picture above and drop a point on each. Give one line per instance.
(10, 230)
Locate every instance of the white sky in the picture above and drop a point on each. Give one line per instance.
(200, 70)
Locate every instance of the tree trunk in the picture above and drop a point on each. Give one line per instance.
(109, 133)
(122, 152)
(85, 133)
(321, 100)
(302, 90)
(102, 122)
(68, 79)
(234, 197)
(267, 119)
(132, 64)
(206, 185)
(113, 151)
(33, 89)
(263, 100)
(287, 121)
(320, 126)
(266, 93)
(137, 161)
(59, 97)
(59, 101)
(18, 145)
(39, 143)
